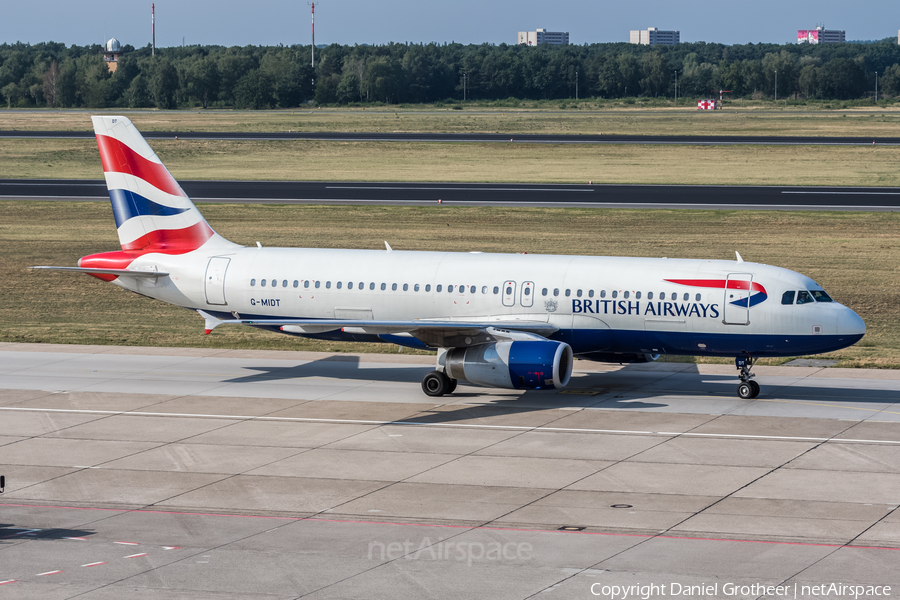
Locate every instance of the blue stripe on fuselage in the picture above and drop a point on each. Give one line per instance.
(127, 204)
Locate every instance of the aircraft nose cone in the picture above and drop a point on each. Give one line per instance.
(850, 323)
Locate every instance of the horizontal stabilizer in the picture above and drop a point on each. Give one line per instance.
(117, 272)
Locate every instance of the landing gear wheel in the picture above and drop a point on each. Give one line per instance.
(436, 384)
(451, 387)
(745, 390)
(755, 387)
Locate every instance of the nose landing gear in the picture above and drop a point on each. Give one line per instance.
(747, 388)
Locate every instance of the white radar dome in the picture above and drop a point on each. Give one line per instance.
(113, 45)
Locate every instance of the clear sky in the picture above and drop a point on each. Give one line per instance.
(272, 22)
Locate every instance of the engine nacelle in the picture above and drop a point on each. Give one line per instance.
(519, 365)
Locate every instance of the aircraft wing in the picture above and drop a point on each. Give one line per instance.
(118, 272)
(433, 333)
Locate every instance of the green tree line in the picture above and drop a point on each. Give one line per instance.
(55, 75)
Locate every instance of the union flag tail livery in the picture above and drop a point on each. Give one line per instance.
(153, 214)
(496, 320)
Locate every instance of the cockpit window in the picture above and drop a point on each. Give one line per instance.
(803, 297)
(820, 296)
(788, 297)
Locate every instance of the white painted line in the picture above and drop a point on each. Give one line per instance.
(459, 425)
(171, 547)
(7, 581)
(455, 189)
(48, 573)
(75, 538)
(127, 543)
(103, 562)
(137, 555)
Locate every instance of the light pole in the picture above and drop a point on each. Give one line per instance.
(776, 86)
(576, 86)
(465, 82)
(876, 87)
(676, 88)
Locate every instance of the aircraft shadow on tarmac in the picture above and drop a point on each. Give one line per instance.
(632, 387)
(9, 533)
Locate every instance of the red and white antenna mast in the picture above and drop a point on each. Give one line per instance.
(153, 27)
(313, 5)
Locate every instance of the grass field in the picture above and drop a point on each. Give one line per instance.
(654, 121)
(855, 256)
(419, 161)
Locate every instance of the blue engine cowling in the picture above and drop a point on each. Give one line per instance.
(519, 365)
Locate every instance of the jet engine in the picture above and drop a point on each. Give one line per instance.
(520, 365)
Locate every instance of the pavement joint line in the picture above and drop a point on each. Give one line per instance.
(456, 425)
(829, 405)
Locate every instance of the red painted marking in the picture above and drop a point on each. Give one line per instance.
(173, 241)
(733, 284)
(119, 158)
(103, 562)
(207, 331)
(137, 555)
(127, 543)
(75, 538)
(7, 581)
(48, 573)
(171, 547)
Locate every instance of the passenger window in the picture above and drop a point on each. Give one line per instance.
(372, 285)
(626, 295)
(788, 297)
(637, 295)
(508, 290)
(697, 297)
(544, 292)
(662, 295)
(590, 293)
(252, 283)
(362, 285)
(578, 293)
(339, 284)
(327, 285)
(649, 295)
(496, 290)
(687, 297)
(471, 289)
(462, 289)
(450, 289)
(284, 283)
(528, 291)
(556, 291)
(428, 287)
(484, 289)
(820, 296)
(296, 283)
(393, 287)
(405, 287)
(416, 288)
(615, 294)
(568, 293)
(349, 285)
(274, 283)
(306, 284)
(437, 289)
(318, 283)
(262, 282)
(383, 286)
(804, 297)
(603, 293)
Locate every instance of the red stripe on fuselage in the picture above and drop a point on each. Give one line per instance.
(119, 158)
(732, 284)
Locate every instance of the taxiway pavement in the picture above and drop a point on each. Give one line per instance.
(201, 473)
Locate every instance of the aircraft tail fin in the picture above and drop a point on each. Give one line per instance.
(153, 214)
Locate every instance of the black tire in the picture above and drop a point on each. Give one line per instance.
(451, 386)
(435, 384)
(745, 390)
(755, 387)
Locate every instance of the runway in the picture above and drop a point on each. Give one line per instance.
(196, 473)
(481, 138)
(499, 194)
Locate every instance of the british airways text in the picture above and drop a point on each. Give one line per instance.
(633, 307)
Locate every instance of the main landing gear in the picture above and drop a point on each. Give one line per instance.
(747, 388)
(437, 383)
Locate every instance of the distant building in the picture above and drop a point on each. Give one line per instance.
(111, 53)
(542, 36)
(820, 35)
(655, 37)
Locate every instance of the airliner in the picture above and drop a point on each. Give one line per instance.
(512, 321)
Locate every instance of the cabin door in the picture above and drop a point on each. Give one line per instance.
(737, 299)
(509, 293)
(215, 280)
